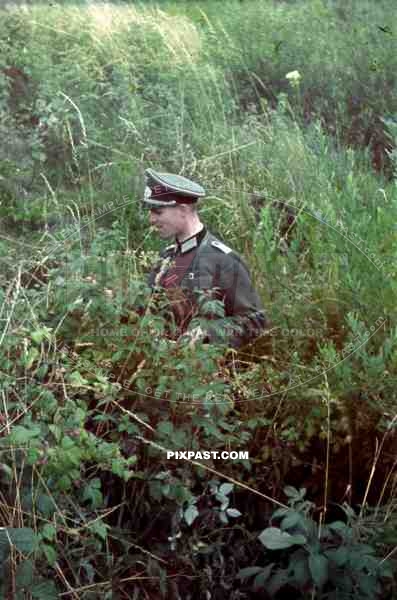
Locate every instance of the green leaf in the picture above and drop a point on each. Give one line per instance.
(275, 539)
(56, 431)
(45, 590)
(49, 532)
(248, 572)
(211, 429)
(92, 493)
(338, 526)
(24, 574)
(279, 579)
(261, 578)
(33, 455)
(302, 493)
(50, 553)
(299, 568)
(318, 565)
(30, 357)
(77, 380)
(47, 402)
(226, 488)
(291, 492)
(89, 569)
(368, 586)
(39, 335)
(100, 529)
(46, 505)
(224, 500)
(370, 563)
(23, 435)
(280, 512)
(7, 471)
(223, 517)
(340, 556)
(233, 512)
(165, 428)
(190, 514)
(23, 538)
(64, 483)
(386, 570)
(291, 520)
(365, 549)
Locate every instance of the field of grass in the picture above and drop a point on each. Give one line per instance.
(301, 176)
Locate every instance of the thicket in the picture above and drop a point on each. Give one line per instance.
(300, 174)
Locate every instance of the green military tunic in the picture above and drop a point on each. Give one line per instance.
(203, 268)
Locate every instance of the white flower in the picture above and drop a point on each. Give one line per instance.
(293, 76)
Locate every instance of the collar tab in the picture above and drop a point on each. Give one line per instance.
(188, 245)
(191, 242)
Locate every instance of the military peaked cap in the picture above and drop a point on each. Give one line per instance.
(166, 189)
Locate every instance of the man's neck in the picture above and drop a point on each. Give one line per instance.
(190, 232)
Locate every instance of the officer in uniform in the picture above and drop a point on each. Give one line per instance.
(199, 267)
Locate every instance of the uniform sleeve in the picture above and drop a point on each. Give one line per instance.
(242, 305)
(244, 317)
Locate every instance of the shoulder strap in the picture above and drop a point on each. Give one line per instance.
(221, 246)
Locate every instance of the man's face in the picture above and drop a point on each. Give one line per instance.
(168, 220)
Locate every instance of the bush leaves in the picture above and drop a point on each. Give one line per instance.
(275, 539)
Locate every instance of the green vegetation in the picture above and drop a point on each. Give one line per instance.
(301, 176)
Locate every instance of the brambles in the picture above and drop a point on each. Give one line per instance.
(333, 560)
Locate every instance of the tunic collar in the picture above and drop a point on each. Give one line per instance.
(190, 243)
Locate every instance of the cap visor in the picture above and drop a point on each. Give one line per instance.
(152, 202)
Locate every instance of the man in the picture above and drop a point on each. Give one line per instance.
(198, 269)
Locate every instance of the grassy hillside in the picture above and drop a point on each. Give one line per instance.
(286, 113)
